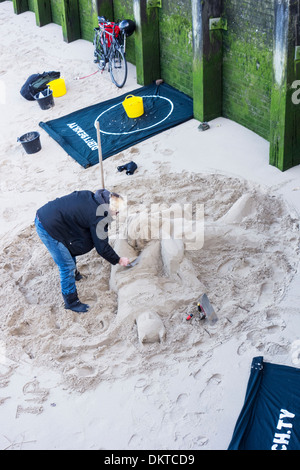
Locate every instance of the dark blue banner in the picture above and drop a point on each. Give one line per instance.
(76, 133)
(270, 417)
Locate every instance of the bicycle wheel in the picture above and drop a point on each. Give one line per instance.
(118, 67)
(98, 51)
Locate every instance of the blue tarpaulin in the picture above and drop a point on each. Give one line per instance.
(270, 417)
(76, 133)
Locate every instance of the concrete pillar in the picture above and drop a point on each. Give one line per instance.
(146, 41)
(207, 61)
(70, 20)
(285, 107)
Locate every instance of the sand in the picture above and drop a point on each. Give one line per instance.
(133, 373)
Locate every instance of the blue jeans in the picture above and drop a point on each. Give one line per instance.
(65, 261)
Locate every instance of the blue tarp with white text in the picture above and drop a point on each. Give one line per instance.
(76, 133)
(270, 417)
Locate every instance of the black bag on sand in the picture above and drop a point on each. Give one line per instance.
(36, 83)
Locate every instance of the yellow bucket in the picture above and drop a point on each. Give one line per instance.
(58, 87)
(133, 106)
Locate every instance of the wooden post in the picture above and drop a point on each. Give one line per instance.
(70, 20)
(146, 42)
(20, 6)
(100, 154)
(105, 8)
(285, 110)
(208, 26)
(42, 12)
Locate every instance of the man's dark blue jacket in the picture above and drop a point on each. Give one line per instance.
(73, 221)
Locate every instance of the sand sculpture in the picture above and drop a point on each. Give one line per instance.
(164, 277)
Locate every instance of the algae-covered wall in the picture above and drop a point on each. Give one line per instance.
(124, 9)
(56, 11)
(176, 44)
(285, 110)
(248, 63)
(87, 18)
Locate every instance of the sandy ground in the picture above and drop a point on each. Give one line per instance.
(97, 381)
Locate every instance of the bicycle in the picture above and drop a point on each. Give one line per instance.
(109, 48)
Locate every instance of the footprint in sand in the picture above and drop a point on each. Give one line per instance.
(134, 151)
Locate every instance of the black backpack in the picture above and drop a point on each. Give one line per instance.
(36, 83)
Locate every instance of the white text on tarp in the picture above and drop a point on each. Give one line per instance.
(284, 425)
(83, 135)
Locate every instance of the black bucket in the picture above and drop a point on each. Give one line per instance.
(45, 99)
(31, 142)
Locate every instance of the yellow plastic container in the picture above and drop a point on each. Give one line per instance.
(133, 106)
(58, 87)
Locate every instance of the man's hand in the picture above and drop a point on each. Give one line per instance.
(124, 261)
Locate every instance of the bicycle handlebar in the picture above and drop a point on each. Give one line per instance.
(112, 34)
(102, 20)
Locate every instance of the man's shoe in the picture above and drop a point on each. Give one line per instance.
(73, 303)
(78, 276)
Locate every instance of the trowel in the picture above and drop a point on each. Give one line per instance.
(134, 262)
(207, 309)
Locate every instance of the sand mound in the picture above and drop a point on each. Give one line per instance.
(248, 259)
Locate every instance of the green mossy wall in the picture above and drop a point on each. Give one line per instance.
(124, 9)
(176, 44)
(248, 63)
(285, 112)
(88, 18)
(56, 11)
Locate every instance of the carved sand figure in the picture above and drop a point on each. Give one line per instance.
(163, 278)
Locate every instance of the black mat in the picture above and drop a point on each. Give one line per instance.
(164, 107)
(270, 416)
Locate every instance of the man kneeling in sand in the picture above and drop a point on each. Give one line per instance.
(73, 225)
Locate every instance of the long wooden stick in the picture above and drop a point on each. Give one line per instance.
(100, 154)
